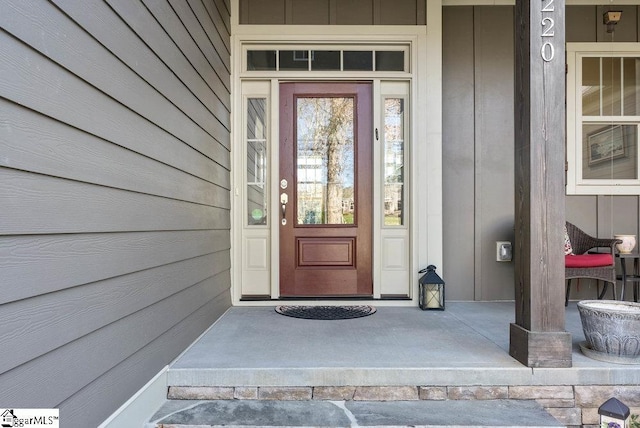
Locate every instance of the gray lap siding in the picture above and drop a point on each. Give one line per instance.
(114, 182)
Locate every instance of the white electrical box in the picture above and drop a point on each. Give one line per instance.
(504, 252)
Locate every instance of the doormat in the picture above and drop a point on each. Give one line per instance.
(326, 312)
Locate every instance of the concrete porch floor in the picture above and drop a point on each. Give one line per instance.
(467, 344)
(399, 367)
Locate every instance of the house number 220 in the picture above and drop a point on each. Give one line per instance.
(547, 50)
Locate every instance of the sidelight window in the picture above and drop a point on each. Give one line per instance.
(256, 146)
(394, 140)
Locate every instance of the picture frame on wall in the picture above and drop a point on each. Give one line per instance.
(606, 144)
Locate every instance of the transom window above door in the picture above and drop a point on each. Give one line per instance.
(333, 58)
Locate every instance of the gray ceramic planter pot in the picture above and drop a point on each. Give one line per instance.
(611, 327)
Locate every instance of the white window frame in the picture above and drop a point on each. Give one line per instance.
(576, 184)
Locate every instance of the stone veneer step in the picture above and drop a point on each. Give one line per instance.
(314, 413)
(572, 405)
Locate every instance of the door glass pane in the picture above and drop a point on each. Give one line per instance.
(591, 86)
(256, 161)
(393, 161)
(609, 151)
(325, 161)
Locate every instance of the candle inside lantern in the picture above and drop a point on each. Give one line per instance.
(433, 296)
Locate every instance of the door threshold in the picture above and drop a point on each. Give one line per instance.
(318, 299)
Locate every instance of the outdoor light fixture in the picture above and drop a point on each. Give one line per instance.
(614, 414)
(431, 288)
(611, 18)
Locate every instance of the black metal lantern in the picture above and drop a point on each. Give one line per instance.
(614, 414)
(431, 288)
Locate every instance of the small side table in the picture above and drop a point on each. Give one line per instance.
(633, 277)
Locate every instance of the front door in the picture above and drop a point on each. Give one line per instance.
(325, 189)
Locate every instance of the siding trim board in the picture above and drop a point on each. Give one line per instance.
(114, 178)
(139, 408)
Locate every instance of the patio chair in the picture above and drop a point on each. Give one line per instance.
(584, 264)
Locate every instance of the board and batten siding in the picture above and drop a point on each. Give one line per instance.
(114, 195)
(332, 12)
(477, 150)
(478, 174)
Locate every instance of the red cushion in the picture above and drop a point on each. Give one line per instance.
(588, 260)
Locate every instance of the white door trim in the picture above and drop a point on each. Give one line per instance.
(426, 135)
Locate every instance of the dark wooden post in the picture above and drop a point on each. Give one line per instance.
(537, 338)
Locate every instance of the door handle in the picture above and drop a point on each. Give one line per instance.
(284, 198)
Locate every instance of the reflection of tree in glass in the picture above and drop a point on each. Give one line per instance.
(393, 160)
(325, 131)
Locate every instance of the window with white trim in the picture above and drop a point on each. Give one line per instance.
(603, 116)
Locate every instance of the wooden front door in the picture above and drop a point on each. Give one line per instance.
(325, 189)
